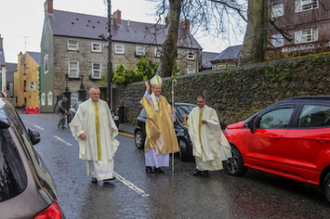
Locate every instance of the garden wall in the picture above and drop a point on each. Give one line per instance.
(239, 92)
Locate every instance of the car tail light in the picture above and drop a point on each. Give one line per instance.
(52, 212)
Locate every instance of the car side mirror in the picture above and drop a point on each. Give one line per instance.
(250, 126)
(34, 136)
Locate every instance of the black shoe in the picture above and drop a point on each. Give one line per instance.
(106, 180)
(63, 127)
(197, 173)
(159, 170)
(205, 173)
(94, 180)
(150, 169)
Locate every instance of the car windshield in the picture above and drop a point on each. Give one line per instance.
(13, 179)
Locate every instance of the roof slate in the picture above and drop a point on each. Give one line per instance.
(35, 56)
(72, 24)
(230, 52)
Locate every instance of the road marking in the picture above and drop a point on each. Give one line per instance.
(62, 140)
(39, 127)
(131, 185)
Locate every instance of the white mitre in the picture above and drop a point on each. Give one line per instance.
(156, 80)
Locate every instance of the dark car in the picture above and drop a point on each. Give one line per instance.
(73, 110)
(185, 144)
(26, 187)
(290, 139)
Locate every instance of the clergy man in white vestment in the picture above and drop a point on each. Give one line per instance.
(160, 136)
(95, 131)
(210, 146)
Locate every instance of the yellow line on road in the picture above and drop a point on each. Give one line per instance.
(126, 134)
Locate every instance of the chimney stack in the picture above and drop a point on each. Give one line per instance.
(185, 25)
(117, 15)
(48, 6)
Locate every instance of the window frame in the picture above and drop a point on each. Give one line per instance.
(191, 70)
(300, 37)
(50, 98)
(277, 10)
(300, 4)
(99, 45)
(277, 40)
(70, 68)
(46, 64)
(140, 50)
(190, 56)
(119, 49)
(73, 45)
(95, 70)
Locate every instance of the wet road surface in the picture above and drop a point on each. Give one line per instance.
(136, 194)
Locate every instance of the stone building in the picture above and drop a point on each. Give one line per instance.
(73, 50)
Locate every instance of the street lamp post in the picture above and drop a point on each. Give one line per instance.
(109, 70)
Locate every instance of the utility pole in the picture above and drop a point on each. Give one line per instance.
(109, 75)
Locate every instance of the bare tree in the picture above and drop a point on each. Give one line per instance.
(213, 17)
(256, 36)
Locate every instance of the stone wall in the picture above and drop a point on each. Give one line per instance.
(239, 92)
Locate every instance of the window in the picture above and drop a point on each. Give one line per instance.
(140, 51)
(157, 52)
(46, 64)
(50, 98)
(43, 101)
(73, 45)
(190, 70)
(13, 179)
(314, 116)
(116, 67)
(96, 70)
(190, 56)
(304, 5)
(308, 35)
(74, 97)
(24, 86)
(119, 49)
(277, 40)
(277, 10)
(73, 69)
(96, 47)
(221, 66)
(24, 69)
(278, 118)
(214, 67)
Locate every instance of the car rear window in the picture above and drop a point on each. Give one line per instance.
(13, 179)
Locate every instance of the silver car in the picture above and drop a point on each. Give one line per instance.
(26, 187)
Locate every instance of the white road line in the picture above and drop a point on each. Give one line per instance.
(131, 185)
(61, 140)
(39, 127)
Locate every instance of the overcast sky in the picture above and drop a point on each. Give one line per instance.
(21, 22)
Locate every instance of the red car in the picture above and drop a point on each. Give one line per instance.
(290, 139)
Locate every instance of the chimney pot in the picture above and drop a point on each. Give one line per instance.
(49, 6)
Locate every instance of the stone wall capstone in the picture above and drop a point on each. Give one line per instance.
(237, 93)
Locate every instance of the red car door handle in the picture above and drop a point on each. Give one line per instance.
(274, 137)
(322, 140)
